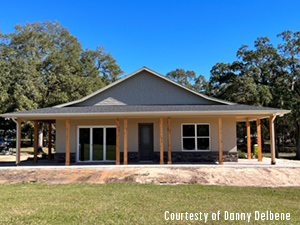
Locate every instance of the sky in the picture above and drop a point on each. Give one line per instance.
(162, 35)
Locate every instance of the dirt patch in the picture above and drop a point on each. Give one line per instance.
(256, 177)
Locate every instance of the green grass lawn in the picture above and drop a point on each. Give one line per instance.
(31, 150)
(130, 203)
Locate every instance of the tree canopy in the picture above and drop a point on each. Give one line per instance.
(189, 79)
(42, 64)
(264, 76)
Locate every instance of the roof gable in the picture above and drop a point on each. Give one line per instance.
(145, 87)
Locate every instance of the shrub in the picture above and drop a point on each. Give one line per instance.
(241, 154)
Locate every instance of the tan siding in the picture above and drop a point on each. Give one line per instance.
(61, 136)
(229, 132)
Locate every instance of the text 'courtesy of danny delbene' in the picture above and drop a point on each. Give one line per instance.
(227, 216)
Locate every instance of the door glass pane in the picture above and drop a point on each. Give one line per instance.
(203, 143)
(110, 143)
(188, 143)
(84, 144)
(145, 136)
(203, 130)
(97, 144)
(188, 130)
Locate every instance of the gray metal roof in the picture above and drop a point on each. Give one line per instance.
(146, 108)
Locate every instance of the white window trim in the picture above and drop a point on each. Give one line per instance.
(91, 139)
(195, 137)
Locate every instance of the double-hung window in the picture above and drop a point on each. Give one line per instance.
(195, 137)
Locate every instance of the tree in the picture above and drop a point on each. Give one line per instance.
(189, 79)
(42, 64)
(255, 79)
(290, 49)
(182, 77)
(259, 78)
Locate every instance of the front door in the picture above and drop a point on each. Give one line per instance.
(146, 141)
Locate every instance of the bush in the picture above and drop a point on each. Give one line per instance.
(241, 154)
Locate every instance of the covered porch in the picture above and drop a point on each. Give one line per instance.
(165, 134)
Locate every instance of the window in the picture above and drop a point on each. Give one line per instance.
(195, 137)
(96, 143)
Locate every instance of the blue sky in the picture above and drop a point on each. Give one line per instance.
(162, 35)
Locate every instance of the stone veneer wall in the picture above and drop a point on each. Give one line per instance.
(197, 156)
(184, 157)
(61, 157)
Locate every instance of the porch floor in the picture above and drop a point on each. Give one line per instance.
(242, 163)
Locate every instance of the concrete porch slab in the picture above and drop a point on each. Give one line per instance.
(242, 163)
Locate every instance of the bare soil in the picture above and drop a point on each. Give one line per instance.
(244, 177)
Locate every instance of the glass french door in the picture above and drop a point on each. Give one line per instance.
(96, 144)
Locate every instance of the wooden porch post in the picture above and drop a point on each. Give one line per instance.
(258, 126)
(118, 142)
(169, 140)
(67, 142)
(161, 143)
(18, 143)
(272, 140)
(125, 141)
(35, 145)
(220, 141)
(248, 140)
(49, 140)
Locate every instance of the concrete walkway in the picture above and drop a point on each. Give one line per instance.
(242, 163)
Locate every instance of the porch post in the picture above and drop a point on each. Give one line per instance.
(248, 140)
(161, 141)
(35, 138)
(258, 126)
(67, 142)
(220, 141)
(125, 142)
(169, 140)
(272, 140)
(118, 142)
(49, 140)
(18, 143)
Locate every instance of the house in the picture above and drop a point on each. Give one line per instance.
(147, 117)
